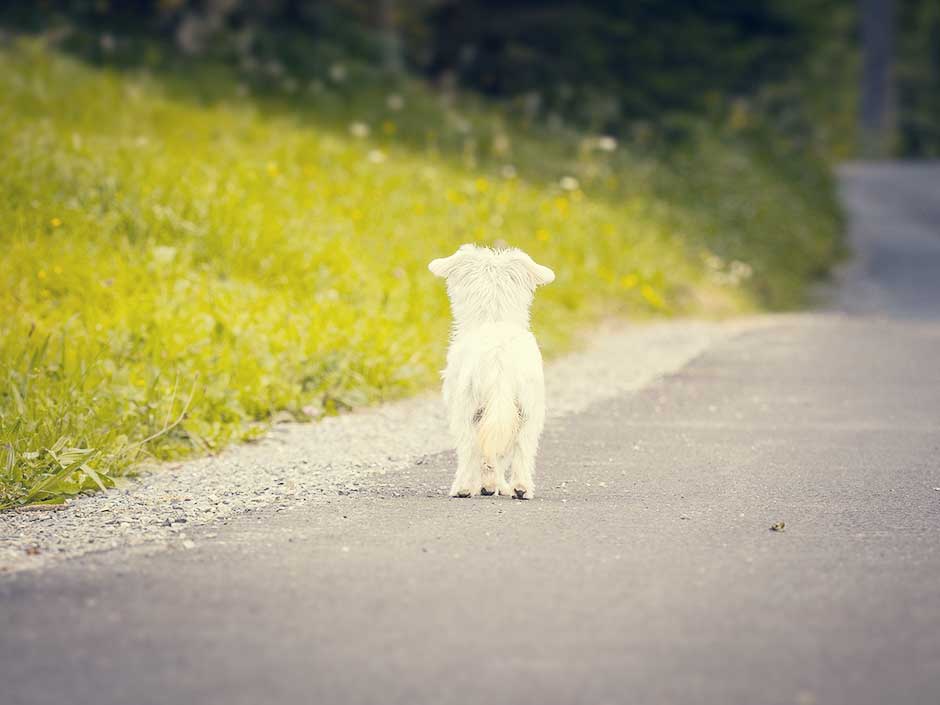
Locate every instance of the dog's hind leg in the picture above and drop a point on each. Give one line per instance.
(468, 479)
(523, 463)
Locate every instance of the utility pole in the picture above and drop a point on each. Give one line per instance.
(877, 100)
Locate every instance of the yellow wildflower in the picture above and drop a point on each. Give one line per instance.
(629, 281)
(652, 297)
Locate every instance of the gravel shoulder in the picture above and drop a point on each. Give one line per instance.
(295, 463)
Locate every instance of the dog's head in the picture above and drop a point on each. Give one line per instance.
(490, 285)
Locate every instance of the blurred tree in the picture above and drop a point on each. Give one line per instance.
(607, 59)
(918, 79)
(601, 64)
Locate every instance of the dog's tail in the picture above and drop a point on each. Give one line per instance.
(499, 420)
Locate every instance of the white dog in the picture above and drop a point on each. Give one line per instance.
(493, 384)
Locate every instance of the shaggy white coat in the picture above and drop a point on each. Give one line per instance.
(493, 384)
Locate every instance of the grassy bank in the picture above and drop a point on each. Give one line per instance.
(191, 254)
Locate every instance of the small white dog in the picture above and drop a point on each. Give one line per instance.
(493, 384)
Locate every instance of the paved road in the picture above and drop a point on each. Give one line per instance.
(645, 572)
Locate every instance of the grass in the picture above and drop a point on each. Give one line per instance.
(190, 255)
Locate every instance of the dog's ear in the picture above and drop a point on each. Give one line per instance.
(442, 266)
(540, 273)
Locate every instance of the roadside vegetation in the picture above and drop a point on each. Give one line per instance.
(192, 250)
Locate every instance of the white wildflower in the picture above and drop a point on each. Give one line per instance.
(338, 73)
(569, 183)
(741, 270)
(606, 143)
(359, 130)
(531, 103)
(714, 262)
(462, 125)
(501, 144)
(163, 254)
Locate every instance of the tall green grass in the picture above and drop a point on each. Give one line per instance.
(189, 255)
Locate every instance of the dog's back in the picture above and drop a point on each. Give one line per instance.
(494, 374)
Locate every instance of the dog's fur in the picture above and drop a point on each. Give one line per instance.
(493, 383)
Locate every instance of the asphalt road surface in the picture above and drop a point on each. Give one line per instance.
(645, 571)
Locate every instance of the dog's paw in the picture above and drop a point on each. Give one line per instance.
(490, 486)
(521, 491)
(505, 490)
(462, 491)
